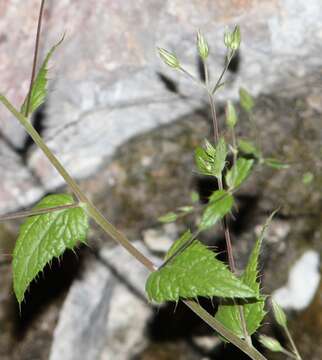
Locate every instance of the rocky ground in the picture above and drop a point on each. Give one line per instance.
(93, 304)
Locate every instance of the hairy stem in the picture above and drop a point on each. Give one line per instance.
(23, 214)
(96, 215)
(229, 246)
(34, 63)
(294, 348)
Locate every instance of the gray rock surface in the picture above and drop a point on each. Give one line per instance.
(105, 312)
(106, 88)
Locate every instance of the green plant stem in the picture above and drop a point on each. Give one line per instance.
(90, 208)
(120, 238)
(294, 348)
(34, 63)
(215, 324)
(229, 57)
(220, 184)
(23, 214)
(289, 354)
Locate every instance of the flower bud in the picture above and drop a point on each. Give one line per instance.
(279, 314)
(231, 116)
(270, 343)
(202, 46)
(232, 39)
(169, 58)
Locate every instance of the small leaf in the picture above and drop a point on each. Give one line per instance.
(220, 159)
(39, 87)
(238, 173)
(271, 343)
(168, 218)
(169, 58)
(275, 164)
(202, 46)
(194, 196)
(248, 148)
(220, 203)
(246, 100)
(211, 160)
(229, 313)
(279, 314)
(194, 272)
(203, 161)
(307, 178)
(43, 237)
(231, 115)
(186, 209)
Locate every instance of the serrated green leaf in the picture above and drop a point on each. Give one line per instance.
(203, 161)
(39, 87)
(211, 160)
(239, 172)
(275, 164)
(271, 343)
(178, 244)
(194, 272)
(168, 217)
(249, 148)
(43, 237)
(220, 203)
(229, 313)
(246, 100)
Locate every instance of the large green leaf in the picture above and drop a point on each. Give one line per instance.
(43, 237)
(220, 203)
(229, 312)
(39, 87)
(194, 272)
(239, 172)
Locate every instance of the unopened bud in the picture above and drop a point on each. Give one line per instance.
(231, 116)
(202, 46)
(232, 39)
(169, 58)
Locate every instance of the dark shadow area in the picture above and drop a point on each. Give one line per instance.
(168, 83)
(38, 123)
(234, 65)
(53, 282)
(201, 70)
(171, 322)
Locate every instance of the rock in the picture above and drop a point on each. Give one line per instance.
(160, 240)
(105, 312)
(18, 186)
(303, 282)
(107, 88)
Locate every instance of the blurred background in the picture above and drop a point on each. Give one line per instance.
(125, 126)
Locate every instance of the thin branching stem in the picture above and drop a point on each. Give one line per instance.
(34, 63)
(294, 348)
(96, 215)
(33, 212)
(229, 246)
